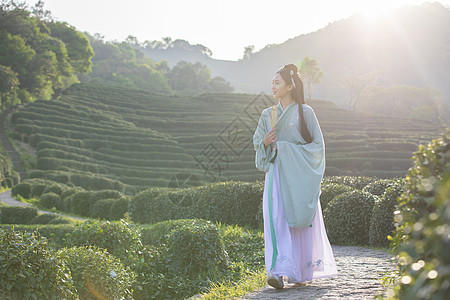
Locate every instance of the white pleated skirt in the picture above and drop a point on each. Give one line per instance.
(304, 254)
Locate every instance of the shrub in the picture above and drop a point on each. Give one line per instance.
(110, 209)
(97, 274)
(50, 200)
(17, 214)
(330, 191)
(28, 270)
(43, 218)
(56, 235)
(228, 202)
(357, 182)
(382, 223)
(22, 189)
(163, 264)
(196, 247)
(102, 209)
(119, 238)
(59, 221)
(119, 208)
(79, 203)
(347, 218)
(38, 186)
(422, 235)
(54, 188)
(379, 187)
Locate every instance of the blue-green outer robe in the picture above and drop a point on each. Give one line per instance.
(301, 165)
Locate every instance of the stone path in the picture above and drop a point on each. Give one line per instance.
(360, 271)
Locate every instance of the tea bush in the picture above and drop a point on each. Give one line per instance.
(22, 189)
(28, 270)
(17, 214)
(228, 202)
(51, 200)
(119, 238)
(330, 191)
(382, 223)
(357, 182)
(422, 238)
(97, 274)
(378, 187)
(347, 218)
(43, 218)
(194, 248)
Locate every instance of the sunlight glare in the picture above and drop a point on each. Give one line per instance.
(374, 9)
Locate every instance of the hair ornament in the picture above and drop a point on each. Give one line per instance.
(291, 72)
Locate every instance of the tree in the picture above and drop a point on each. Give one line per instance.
(44, 54)
(190, 79)
(248, 51)
(311, 74)
(8, 85)
(356, 84)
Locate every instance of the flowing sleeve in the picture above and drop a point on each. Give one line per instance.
(301, 169)
(263, 155)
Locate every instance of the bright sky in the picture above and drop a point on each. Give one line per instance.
(226, 27)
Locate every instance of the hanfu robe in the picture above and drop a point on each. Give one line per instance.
(291, 194)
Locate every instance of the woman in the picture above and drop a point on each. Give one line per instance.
(292, 153)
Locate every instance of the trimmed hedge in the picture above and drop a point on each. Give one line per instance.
(196, 247)
(23, 189)
(51, 200)
(382, 223)
(28, 270)
(17, 214)
(97, 274)
(357, 182)
(228, 202)
(330, 191)
(119, 238)
(348, 216)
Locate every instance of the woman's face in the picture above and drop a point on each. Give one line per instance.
(279, 88)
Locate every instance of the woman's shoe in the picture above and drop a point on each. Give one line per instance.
(275, 281)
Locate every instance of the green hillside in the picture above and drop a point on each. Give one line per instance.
(106, 137)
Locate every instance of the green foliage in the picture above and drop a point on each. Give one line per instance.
(357, 182)
(40, 55)
(195, 248)
(382, 223)
(191, 79)
(347, 218)
(97, 274)
(28, 270)
(22, 189)
(119, 238)
(82, 202)
(422, 220)
(379, 187)
(110, 209)
(228, 202)
(17, 214)
(50, 200)
(43, 218)
(330, 191)
(176, 247)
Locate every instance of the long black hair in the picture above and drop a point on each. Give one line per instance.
(290, 75)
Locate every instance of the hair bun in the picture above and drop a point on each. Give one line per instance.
(291, 67)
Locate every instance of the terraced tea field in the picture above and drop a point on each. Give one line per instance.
(134, 139)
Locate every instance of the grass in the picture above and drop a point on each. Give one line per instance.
(235, 290)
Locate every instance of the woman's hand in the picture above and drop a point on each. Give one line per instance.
(271, 137)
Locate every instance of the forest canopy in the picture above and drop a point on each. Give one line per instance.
(38, 55)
